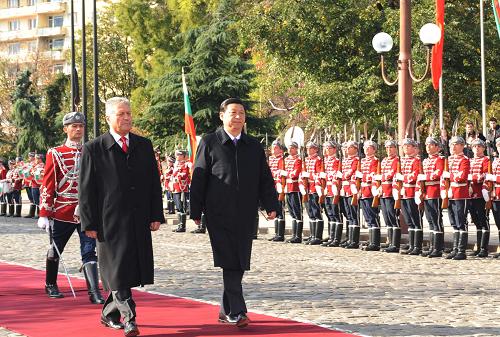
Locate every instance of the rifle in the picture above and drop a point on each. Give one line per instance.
(281, 196)
(489, 203)
(399, 184)
(444, 203)
(376, 200)
(323, 184)
(358, 185)
(336, 198)
(422, 185)
(305, 182)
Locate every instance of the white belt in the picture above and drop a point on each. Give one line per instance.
(431, 183)
(389, 182)
(458, 184)
(346, 183)
(291, 181)
(497, 185)
(366, 184)
(409, 185)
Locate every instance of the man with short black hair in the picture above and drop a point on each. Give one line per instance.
(492, 136)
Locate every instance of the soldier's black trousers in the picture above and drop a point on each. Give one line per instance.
(14, 197)
(388, 212)
(411, 213)
(294, 202)
(35, 192)
(62, 231)
(280, 212)
(457, 214)
(30, 196)
(370, 213)
(434, 215)
(180, 205)
(332, 211)
(496, 213)
(313, 208)
(351, 211)
(475, 207)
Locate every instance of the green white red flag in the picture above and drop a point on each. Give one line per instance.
(437, 50)
(188, 121)
(496, 10)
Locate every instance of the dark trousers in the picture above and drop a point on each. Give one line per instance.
(232, 302)
(370, 213)
(313, 208)
(434, 215)
(388, 212)
(294, 203)
(35, 192)
(119, 304)
(280, 214)
(478, 213)
(62, 231)
(351, 211)
(3, 198)
(411, 213)
(180, 205)
(169, 195)
(456, 214)
(496, 213)
(332, 211)
(14, 197)
(30, 196)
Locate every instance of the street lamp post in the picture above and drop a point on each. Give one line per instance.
(430, 34)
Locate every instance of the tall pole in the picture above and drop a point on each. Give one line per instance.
(84, 74)
(96, 76)
(441, 106)
(73, 77)
(483, 71)
(405, 84)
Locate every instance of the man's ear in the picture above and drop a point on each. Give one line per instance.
(221, 115)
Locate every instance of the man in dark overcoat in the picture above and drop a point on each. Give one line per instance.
(230, 178)
(120, 204)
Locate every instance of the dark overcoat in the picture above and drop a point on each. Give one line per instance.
(120, 195)
(227, 185)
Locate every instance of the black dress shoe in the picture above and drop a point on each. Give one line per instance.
(131, 329)
(110, 323)
(53, 291)
(240, 320)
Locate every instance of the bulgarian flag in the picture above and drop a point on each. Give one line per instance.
(188, 121)
(437, 50)
(496, 10)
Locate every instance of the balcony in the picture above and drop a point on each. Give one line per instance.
(55, 55)
(50, 7)
(39, 8)
(16, 35)
(50, 31)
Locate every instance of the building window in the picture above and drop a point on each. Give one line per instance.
(32, 46)
(31, 2)
(14, 25)
(58, 68)
(56, 44)
(32, 23)
(13, 3)
(56, 21)
(14, 48)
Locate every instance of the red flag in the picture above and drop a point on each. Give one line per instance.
(437, 50)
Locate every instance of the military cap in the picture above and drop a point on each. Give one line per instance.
(369, 143)
(390, 142)
(12, 161)
(180, 152)
(344, 145)
(409, 141)
(31, 154)
(39, 156)
(312, 144)
(431, 140)
(171, 159)
(293, 144)
(351, 143)
(457, 140)
(276, 142)
(73, 117)
(478, 142)
(330, 143)
(18, 159)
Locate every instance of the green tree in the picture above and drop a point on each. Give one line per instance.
(55, 94)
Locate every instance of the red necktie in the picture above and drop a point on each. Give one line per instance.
(124, 144)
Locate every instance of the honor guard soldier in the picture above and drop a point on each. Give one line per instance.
(28, 182)
(181, 178)
(494, 178)
(16, 185)
(169, 184)
(410, 165)
(58, 203)
(3, 189)
(311, 173)
(277, 166)
(433, 167)
(458, 193)
(479, 195)
(369, 167)
(332, 192)
(388, 169)
(293, 168)
(350, 165)
(37, 172)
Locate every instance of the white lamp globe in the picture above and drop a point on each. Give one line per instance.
(382, 42)
(430, 34)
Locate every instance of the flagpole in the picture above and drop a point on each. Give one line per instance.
(483, 72)
(441, 113)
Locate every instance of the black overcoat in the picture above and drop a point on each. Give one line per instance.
(227, 185)
(120, 195)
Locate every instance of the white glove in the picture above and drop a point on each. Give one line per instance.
(335, 190)
(377, 177)
(443, 194)
(43, 223)
(450, 193)
(359, 175)
(399, 177)
(418, 194)
(446, 175)
(395, 194)
(171, 186)
(302, 190)
(469, 177)
(486, 195)
(319, 190)
(375, 191)
(354, 189)
(339, 175)
(421, 177)
(279, 188)
(490, 177)
(418, 201)
(305, 174)
(403, 192)
(284, 173)
(322, 175)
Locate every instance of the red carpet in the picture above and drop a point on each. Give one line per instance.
(24, 308)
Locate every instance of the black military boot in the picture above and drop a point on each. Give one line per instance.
(202, 227)
(280, 234)
(181, 227)
(171, 207)
(346, 242)
(462, 246)
(92, 278)
(318, 233)
(18, 211)
(438, 245)
(411, 242)
(370, 238)
(11, 211)
(298, 236)
(431, 245)
(51, 269)
(389, 238)
(337, 235)
(396, 241)
(479, 236)
(294, 231)
(497, 255)
(31, 213)
(331, 234)
(37, 212)
(375, 240)
(419, 239)
(275, 230)
(3, 209)
(485, 241)
(355, 238)
(328, 238)
(312, 231)
(454, 251)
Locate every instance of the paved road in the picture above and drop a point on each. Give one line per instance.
(368, 293)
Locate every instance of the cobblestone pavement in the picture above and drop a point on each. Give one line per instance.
(369, 293)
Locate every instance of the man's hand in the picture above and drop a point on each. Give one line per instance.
(91, 234)
(271, 215)
(154, 226)
(197, 222)
(43, 223)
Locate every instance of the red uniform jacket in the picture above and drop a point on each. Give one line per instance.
(369, 166)
(293, 167)
(167, 178)
(26, 174)
(331, 167)
(15, 179)
(59, 189)
(478, 170)
(313, 167)
(496, 171)
(459, 167)
(181, 176)
(433, 169)
(388, 169)
(3, 173)
(37, 173)
(349, 168)
(409, 169)
(276, 164)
